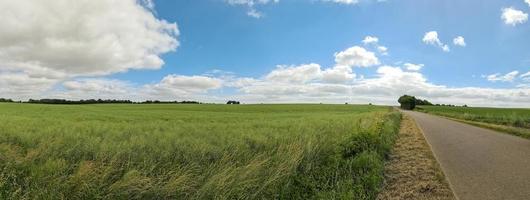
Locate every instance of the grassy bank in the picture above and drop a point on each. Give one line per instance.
(514, 121)
(193, 151)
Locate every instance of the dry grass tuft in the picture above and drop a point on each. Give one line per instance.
(412, 171)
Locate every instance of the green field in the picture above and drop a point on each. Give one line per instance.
(511, 120)
(193, 151)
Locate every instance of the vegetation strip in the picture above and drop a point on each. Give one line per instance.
(412, 172)
(194, 151)
(514, 121)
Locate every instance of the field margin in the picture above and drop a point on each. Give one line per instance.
(520, 132)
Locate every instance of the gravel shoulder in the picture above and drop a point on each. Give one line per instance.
(412, 171)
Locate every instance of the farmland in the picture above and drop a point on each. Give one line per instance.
(193, 151)
(511, 120)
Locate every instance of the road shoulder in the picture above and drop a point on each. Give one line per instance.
(412, 172)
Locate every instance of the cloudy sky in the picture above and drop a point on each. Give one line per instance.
(267, 51)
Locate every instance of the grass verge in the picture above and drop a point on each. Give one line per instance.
(412, 171)
(511, 120)
(521, 132)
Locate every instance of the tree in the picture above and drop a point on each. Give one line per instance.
(424, 102)
(233, 102)
(407, 102)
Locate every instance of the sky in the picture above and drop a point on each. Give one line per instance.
(470, 52)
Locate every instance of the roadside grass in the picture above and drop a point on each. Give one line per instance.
(194, 151)
(412, 171)
(515, 121)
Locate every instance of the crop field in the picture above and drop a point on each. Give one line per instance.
(193, 151)
(516, 117)
(516, 120)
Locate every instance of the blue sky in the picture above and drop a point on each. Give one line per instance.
(216, 35)
(214, 50)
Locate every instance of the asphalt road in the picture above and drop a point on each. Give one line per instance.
(479, 163)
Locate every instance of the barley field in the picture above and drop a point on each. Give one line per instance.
(193, 151)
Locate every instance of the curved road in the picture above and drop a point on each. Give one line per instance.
(479, 163)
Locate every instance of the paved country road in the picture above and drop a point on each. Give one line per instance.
(479, 163)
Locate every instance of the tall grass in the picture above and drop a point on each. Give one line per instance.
(516, 117)
(193, 151)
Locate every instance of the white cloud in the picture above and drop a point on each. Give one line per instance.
(99, 86)
(526, 76)
(307, 73)
(459, 41)
(171, 87)
(374, 41)
(445, 48)
(22, 86)
(370, 40)
(295, 74)
(383, 50)
(513, 17)
(413, 67)
(385, 88)
(527, 2)
(509, 77)
(347, 2)
(254, 13)
(251, 4)
(72, 38)
(338, 74)
(188, 83)
(431, 38)
(356, 57)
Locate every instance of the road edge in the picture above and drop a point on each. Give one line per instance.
(412, 171)
(439, 165)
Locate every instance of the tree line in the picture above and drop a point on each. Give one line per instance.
(96, 101)
(409, 102)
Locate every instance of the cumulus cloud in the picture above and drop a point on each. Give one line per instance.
(413, 67)
(431, 38)
(512, 16)
(96, 85)
(44, 43)
(295, 74)
(347, 2)
(527, 2)
(382, 50)
(22, 86)
(306, 73)
(526, 76)
(459, 41)
(188, 83)
(509, 77)
(370, 40)
(96, 37)
(388, 84)
(356, 57)
(171, 87)
(251, 4)
(338, 74)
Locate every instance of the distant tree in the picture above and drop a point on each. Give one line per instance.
(233, 102)
(407, 102)
(423, 102)
(6, 100)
